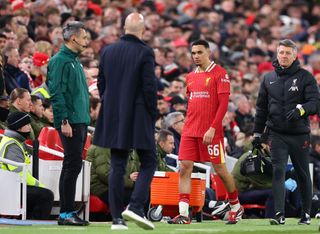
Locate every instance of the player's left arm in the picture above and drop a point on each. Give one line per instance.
(223, 90)
(223, 99)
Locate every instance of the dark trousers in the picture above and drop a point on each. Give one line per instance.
(297, 146)
(261, 197)
(126, 196)
(140, 194)
(72, 164)
(39, 202)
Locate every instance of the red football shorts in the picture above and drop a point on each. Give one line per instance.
(192, 148)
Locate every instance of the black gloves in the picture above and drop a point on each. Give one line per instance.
(293, 114)
(256, 142)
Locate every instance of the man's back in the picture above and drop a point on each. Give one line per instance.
(127, 86)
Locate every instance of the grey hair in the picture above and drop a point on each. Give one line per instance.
(171, 119)
(72, 28)
(288, 43)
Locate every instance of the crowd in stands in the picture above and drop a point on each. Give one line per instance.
(242, 34)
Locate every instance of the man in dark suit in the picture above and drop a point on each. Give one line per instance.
(127, 87)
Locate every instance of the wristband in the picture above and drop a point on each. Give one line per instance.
(301, 110)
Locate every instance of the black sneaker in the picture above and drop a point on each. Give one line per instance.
(119, 224)
(72, 220)
(278, 219)
(305, 219)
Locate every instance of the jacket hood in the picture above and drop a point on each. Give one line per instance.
(14, 134)
(288, 71)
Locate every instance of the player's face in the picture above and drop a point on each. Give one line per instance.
(200, 54)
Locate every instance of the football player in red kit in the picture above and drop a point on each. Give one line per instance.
(208, 89)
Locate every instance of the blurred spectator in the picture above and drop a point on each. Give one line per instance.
(178, 104)
(94, 110)
(47, 118)
(163, 106)
(4, 111)
(24, 78)
(11, 69)
(314, 125)
(26, 48)
(177, 87)
(243, 113)
(165, 145)
(43, 47)
(39, 71)
(2, 80)
(36, 113)
(174, 122)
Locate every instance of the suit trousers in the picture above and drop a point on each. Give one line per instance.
(72, 164)
(140, 194)
(297, 146)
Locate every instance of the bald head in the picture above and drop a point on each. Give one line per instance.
(134, 24)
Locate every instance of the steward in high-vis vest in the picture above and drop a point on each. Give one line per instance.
(42, 91)
(12, 147)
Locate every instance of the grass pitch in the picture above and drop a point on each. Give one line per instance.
(246, 226)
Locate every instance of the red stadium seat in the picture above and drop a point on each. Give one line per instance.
(49, 138)
(97, 206)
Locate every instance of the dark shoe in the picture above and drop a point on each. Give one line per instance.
(138, 219)
(119, 224)
(180, 219)
(305, 219)
(235, 216)
(278, 219)
(73, 220)
(60, 221)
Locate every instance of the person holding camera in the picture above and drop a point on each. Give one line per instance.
(287, 96)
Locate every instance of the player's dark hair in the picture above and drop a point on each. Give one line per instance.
(201, 42)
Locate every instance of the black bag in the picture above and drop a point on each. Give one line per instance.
(257, 162)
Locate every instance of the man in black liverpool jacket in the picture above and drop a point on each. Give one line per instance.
(287, 97)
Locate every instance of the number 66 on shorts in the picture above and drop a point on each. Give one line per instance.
(216, 151)
(192, 148)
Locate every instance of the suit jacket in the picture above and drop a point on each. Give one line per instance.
(128, 92)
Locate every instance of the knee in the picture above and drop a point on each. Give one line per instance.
(185, 169)
(221, 170)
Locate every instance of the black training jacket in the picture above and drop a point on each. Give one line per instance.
(280, 91)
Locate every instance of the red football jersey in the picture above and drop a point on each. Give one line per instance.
(202, 91)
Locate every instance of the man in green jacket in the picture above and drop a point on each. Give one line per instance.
(69, 96)
(36, 113)
(165, 145)
(100, 159)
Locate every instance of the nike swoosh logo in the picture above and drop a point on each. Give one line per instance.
(271, 82)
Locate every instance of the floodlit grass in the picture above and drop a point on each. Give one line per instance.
(246, 226)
